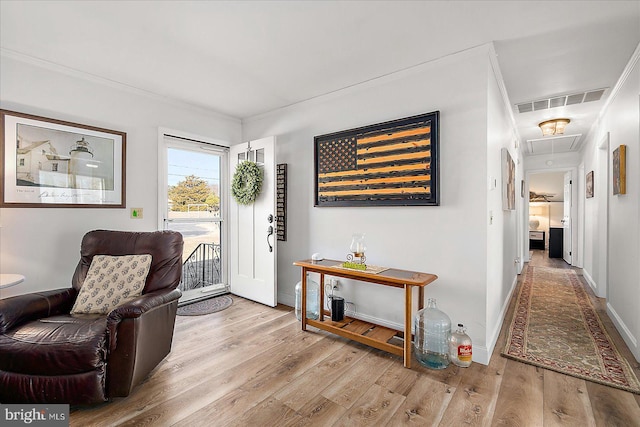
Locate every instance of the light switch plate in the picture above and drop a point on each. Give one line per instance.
(136, 213)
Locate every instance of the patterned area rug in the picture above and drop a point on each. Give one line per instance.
(555, 326)
(207, 306)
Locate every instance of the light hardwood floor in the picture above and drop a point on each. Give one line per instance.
(251, 365)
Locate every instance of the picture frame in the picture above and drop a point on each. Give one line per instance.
(394, 163)
(619, 170)
(589, 185)
(508, 181)
(50, 163)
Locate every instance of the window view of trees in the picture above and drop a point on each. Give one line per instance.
(193, 194)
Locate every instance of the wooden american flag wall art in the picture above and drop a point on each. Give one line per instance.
(393, 163)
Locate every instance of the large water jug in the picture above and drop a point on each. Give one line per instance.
(313, 300)
(432, 331)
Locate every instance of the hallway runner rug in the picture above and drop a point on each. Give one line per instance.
(555, 326)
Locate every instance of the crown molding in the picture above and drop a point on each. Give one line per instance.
(55, 67)
(495, 67)
(628, 69)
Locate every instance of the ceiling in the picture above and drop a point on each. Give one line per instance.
(246, 58)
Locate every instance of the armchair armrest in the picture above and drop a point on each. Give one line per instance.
(17, 310)
(136, 308)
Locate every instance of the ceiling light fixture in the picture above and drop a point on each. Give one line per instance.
(553, 127)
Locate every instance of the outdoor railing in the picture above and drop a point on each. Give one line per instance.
(201, 268)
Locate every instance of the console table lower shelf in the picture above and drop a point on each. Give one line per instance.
(373, 335)
(364, 332)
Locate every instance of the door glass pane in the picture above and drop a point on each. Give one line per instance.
(194, 210)
(241, 157)
(260, 156)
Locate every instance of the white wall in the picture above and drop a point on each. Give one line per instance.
(502, 238)
(44, 244)
(621, 123)
(449, 240)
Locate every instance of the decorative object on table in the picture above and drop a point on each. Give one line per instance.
(365, 268)
(460, 347)
(589, 185)
(620, 170)
(337, 308)
(246, 183)
(394, 163)
(537, 211)
(50, 163)
(281, 201)
(432, 332)
(556, 326)
(313, 299)
(508, 181)
(208, 306)
(357, 249)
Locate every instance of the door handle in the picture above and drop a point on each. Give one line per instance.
(269, 233)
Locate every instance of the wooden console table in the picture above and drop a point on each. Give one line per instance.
(367, 333)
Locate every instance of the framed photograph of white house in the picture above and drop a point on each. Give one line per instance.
(53, 163)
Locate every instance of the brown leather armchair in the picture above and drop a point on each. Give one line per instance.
(48, 355)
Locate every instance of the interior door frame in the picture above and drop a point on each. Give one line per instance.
(603, 170)
(577, 213)
(163, 182)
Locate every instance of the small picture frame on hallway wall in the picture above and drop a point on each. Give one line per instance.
(508, 181)
(620, 170)
(589, 185)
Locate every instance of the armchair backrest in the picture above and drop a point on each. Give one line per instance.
(165, 248)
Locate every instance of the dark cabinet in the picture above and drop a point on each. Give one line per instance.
(536, 239)
(555, 243)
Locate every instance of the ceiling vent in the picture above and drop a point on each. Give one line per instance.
(554, 144)
(561, 101)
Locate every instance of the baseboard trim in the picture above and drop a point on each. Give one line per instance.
(625, 333)
(495, 334)
(592, 284)
(287, 299)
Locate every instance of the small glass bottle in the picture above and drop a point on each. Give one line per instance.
(432, 331)
(313, 300)
(460, 350)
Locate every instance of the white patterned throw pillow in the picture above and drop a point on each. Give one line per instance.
(111, 281)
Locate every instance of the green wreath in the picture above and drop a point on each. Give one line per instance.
(246, 183)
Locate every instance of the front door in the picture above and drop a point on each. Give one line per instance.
(253, 228)
(566, 219)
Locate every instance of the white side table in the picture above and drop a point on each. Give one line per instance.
(7, 280)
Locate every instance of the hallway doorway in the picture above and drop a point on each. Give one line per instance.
(553, 214)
